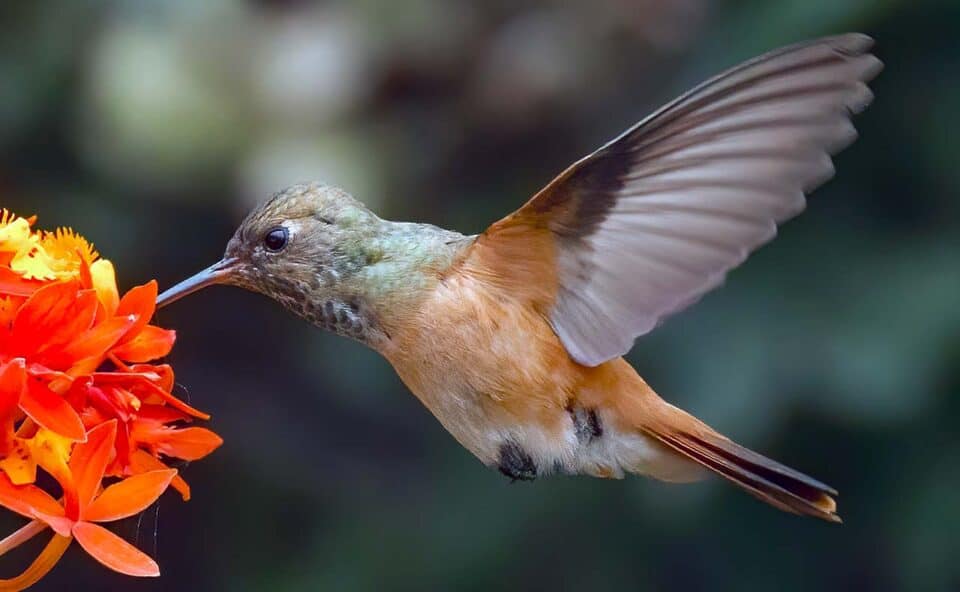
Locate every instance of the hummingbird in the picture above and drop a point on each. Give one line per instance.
(514, 338)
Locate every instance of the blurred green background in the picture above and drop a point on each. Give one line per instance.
(153, 126)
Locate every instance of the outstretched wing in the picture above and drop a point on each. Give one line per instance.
(648, 223)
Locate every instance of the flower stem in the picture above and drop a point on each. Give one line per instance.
(30, 530)
(40, 567)
(118, 362)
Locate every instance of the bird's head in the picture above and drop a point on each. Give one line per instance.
(301, 248)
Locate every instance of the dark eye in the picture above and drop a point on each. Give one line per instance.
(276, 239)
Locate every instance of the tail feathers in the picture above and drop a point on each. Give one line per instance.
(768, 480)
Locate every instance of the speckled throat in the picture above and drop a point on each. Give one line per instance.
(351, 318)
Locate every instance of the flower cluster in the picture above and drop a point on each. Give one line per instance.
(81, 400)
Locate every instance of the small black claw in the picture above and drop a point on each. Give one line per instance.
(586, 423)
(516, 464)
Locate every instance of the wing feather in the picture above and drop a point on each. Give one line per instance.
(651, 221)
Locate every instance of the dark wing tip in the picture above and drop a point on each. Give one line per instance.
(857, 45)
(853, 44)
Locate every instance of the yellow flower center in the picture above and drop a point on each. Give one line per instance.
(43, 255)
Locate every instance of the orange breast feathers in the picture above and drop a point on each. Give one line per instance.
(480, 343)
(480, 353)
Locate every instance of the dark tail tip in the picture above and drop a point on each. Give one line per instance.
(768, 480)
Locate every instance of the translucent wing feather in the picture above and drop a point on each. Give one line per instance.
(648, 223)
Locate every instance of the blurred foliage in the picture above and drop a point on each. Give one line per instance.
(152, 126)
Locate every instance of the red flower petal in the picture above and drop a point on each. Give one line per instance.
(130, 496)
(100, 400)
(146, 381)
(114, 552)
(86, 278)
(122, 448)
(52, 411)
(123, 378)
(164, 371)
(13, 284)
(89, 461)
(161, 414)
(76, 394)
(140, 301)
(53, 317)
(26, 499)
(13, 382)
(152, 343)
(40, 371)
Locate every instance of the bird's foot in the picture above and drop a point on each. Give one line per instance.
(515, 463)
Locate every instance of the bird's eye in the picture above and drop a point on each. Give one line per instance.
(276, 239)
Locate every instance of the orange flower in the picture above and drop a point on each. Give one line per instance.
(84, 506)
(80, 400)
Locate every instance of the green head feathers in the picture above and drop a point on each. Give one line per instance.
(322, 254)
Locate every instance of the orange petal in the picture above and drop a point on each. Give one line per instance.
(105, 283)
(189, 443)
(182, 487)
(152, 343)
(89, 461)
(96, 341)
(141, 461)
(53, 317)
(26, 499)
(51, 411)
(83, 367)
(114, 552)
(140, 301)
(20, 464)
(130, 496)
(51, 451)
(60, 524)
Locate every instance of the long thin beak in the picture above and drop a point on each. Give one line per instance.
(215, 274)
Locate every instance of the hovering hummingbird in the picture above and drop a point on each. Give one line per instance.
(513, 338)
